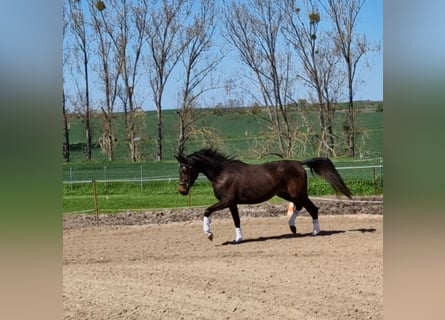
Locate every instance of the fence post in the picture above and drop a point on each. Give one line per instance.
(142, 183)
(96, 205)
(381, 173)
(105, 177)
(71, 178)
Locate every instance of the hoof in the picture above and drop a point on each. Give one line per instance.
(314, 233)
(209, 236)
(237, 241)
(293, 229)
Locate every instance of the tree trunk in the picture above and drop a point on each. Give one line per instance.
(87, 106)
(132, 126)
(330, 129)
(351, 121)
(66, 149)
(181, 139)
(159, 135)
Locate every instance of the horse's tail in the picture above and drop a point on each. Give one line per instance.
(324, 168)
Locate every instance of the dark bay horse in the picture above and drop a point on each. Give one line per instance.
(235, 182)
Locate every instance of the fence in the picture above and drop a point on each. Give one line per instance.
(153, 185)
(167, 171)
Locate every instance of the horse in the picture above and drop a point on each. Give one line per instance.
(235, 182)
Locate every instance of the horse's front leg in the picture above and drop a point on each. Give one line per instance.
(206, 220)
(236, 221)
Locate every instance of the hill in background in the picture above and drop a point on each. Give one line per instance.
(236, 131)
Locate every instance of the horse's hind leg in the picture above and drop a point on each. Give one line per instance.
(313, 211)
(237, 222)
(292, 214)
(293, 209)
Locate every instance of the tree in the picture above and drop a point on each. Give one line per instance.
(319, 63)
(66, 133)
(166, 47)
(126, 26)
(254, 31)
(352, 47)
(79, 29)
(198, 63)
(109, 73)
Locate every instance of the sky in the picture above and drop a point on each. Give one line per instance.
(370, 22)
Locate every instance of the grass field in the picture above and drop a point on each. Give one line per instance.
(236, 130)
(150, 193)
(122, 185)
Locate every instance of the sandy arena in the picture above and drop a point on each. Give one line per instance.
(160, 265)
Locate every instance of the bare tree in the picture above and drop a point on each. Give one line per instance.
(66, 133)
(126, 26)
(198, 63)
(254, 30)
(79, 29)
(319, 63)
(352, 47)
(166, 47)
(108, 72)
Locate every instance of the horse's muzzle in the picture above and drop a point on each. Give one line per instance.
(183, 189)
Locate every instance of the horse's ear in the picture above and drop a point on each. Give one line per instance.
(181, 158)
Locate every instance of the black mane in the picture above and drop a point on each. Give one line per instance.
(211, 154)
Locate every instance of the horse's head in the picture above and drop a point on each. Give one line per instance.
(187, 174)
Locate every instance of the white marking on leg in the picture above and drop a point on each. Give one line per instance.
(290, 208)
(292, 217)
(316, 227)
(238, 235)
(292, 214)
(206, 226)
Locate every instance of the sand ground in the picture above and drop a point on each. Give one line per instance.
(145, 269)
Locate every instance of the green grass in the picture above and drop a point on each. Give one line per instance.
(236, 128)
(118, 197)
(119, 170)
(114, 197)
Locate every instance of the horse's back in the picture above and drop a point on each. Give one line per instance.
(277, 174)
(286, 168)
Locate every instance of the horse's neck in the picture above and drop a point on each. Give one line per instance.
(210, 170)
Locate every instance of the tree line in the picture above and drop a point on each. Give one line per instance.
(133, 47)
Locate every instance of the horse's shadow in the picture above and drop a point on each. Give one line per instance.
(322, 233)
